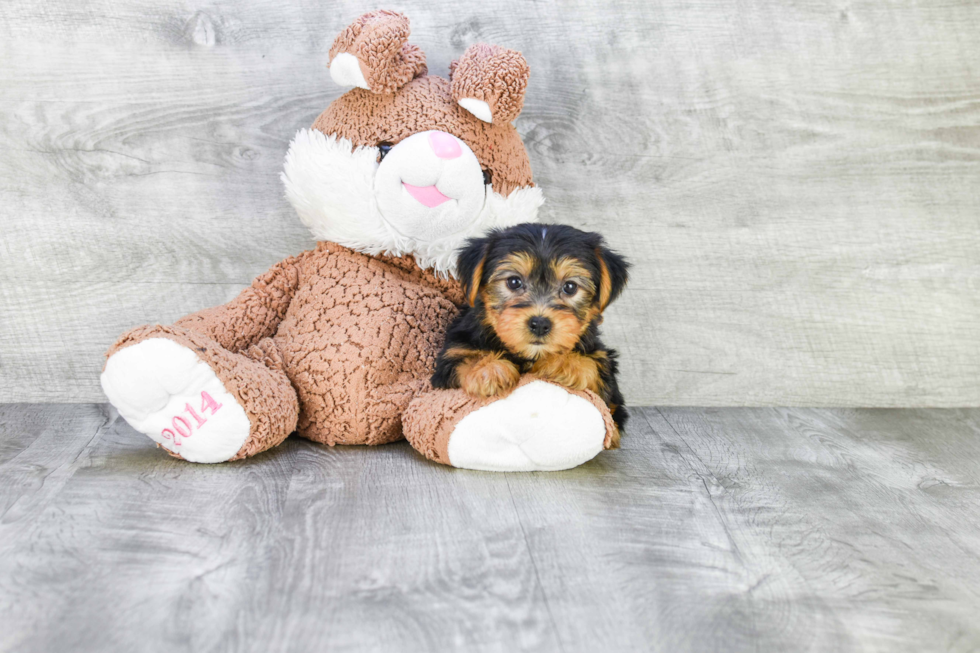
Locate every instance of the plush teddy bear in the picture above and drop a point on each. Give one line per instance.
(339, 342)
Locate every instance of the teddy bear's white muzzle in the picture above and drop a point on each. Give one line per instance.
(430, 185)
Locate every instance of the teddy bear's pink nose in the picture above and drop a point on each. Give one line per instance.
(444, 145)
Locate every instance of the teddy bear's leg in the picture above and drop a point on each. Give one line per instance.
(539, 426)
(210, 388)
(196, 399)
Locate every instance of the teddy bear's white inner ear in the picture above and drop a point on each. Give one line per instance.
(345, 70)
(478, 108)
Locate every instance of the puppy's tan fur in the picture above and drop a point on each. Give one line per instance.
(484, 374)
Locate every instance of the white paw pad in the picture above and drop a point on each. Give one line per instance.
(538, 427)
(169, 394)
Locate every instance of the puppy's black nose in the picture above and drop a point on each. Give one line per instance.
(539, 326)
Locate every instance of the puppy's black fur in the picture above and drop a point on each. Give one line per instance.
(520, 312)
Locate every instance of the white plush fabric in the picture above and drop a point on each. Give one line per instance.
(342, 195)
(478, 108)
(538, 427)
(345, 70)
(152, 382)
(414, 162)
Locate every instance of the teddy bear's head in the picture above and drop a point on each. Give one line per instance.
(410, 163)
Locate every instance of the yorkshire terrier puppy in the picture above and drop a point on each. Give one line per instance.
(535, 297)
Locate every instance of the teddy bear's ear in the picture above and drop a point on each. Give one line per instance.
(489, 81)
(372, 53)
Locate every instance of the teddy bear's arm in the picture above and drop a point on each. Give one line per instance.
(253, 315)
(537, 426)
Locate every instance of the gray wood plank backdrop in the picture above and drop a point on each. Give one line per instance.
(796, 180)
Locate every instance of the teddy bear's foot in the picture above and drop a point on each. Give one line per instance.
(169, 394)
(538, 427)
(198, 400)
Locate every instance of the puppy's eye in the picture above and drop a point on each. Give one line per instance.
(383, 148)
(569, 288)
(487, 177)
(515, 283)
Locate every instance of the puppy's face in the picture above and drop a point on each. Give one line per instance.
(539, 304)
(541, 286)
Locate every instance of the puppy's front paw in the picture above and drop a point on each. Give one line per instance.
(571, 369)
(487, 376)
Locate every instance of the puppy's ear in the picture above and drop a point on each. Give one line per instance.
(469, 267)
(613, 275)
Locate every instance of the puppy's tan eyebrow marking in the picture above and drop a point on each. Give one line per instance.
(567, 268)
(520, 263)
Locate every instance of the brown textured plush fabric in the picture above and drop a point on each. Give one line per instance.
(254, 314)
(496, 75)
(425, 103)
(432, 417)
(377, 39)
(359, 342)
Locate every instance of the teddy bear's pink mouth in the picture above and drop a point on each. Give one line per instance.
(427, 195)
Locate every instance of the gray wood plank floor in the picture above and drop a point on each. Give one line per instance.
(710, 530)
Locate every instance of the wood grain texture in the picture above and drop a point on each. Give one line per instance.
(795, 181)
(710, 530)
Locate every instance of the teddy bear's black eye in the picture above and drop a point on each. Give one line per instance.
(569, 288)
(383, 148)
(487, 177)
(515, 283)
